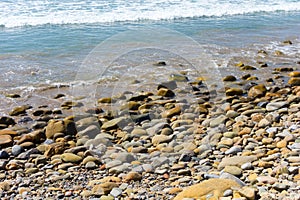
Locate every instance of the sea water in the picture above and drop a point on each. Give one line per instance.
(44, 42)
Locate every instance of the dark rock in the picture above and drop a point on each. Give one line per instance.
(171, 85)
(3, 154)
(19, 110)
(160, 63)
(229, 78)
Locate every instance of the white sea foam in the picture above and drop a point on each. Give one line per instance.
(15, 13)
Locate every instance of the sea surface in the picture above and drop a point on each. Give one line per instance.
(57, 42)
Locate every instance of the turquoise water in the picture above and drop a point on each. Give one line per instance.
(45, 42)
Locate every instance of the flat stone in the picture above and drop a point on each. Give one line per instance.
(115, 123)
(234, 91)
(171, 112)
(248, 192)
(234, 170)
(125, 157)
(5, 141)
(19, 110)
(104, 188)
(233, 150)
(212, 187)
(217, 121)
(70, 157)
(235, 161)
(91, 132)
(158, 139)
(133, 176)
(272, 106)
(266, 179)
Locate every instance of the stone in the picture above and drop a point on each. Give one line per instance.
(16, 150)
(234, 170)
(91, 132)
(281, 144)
(106, 100)
(257, 91)
(3, 154)
(294, 74)
(248, 192)
(235, 161)
(178, 78)
(213, 188)
(5, 141)
(234, 92)
(90, 165)
(70, 157)
(104, 188)
(233, 150)
(158, 139)
(171, 85)
(115, 192)
(54, 127)
(7, 121)
(229, 78)
(133, 176)
(263, 123)
(217, 121)
(294, 81)
(8, 132)
(171, 112)
(19, 110)
(266, 179)
(125, 157)
(275, 105)
(115, 123)
(165, 92)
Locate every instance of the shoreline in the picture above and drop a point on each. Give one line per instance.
(178, 137)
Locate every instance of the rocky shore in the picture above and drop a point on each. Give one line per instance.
(241, 143)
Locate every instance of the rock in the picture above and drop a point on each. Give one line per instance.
(248, 67)
(7, 121)
(234, 170)
(54, 127)
(294, 81)
(178, 78)
(217, 121)
(115, 123)
(158, 139)
(160, 63)
(115, 192)
(233, 150)
(263, 123)
(16, 150)
(248, 192)
(294, 74)
(90, 165)
(266, 179)
(8, 132)
(104, 188)
(287, 42)
(19, 110)
(133, 176)
(125, 157)
(3, 154)
(70, 157)
(5, 141)
(229, 78)
(171, 85)
(171, 112)
(281, 144)
(257, 91)
(90, 159)
(165, 92)
(91, 132)
(14, 96)
(212, 188)
(272, 106)
(106, 100)
(235, 161)
(234, 91)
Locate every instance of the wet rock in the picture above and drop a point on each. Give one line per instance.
(54, 127)
(91, 132)
(19, 110)
(106, 100)
(171, 85)
(294, 81)
(3, 154)
(7, 121)
(115, 123)
(229, 78)
(213, 188)
(165, 92)
(257, 91)
(160, 63)
(178, 78)
(125, 157)
(234, 91)
(171, 112)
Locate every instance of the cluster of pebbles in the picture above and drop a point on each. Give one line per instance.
(243, 144)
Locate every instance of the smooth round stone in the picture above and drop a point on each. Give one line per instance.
(234, 150)
(16, 150)
(4, 154)
(227, 193)
(247, 166)
(229, 134)
(90, 165)
(234, 170)
(70, 157)
(115, 192)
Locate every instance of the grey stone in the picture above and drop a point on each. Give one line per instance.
(113, 163)
(272, 106)
(115, 192)
(91, 132)
(160, 161)
(125, 157)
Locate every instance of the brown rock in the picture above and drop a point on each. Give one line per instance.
(234, 91)
(8, 132)
(103, 188)
(171, 112)
(248, 192)
(19, 110)
(175, 190)
(294, 81)
(165, 92)
(106, 100)
(229, 78)
(212, 187)
(7, 121)
(53, 149)
(295, 74)
(53, 127)
(257, 91)
(235, 161)
(133, 176)
(5, 141)
(70, 157)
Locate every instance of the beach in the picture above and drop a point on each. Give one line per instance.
(150, 101)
